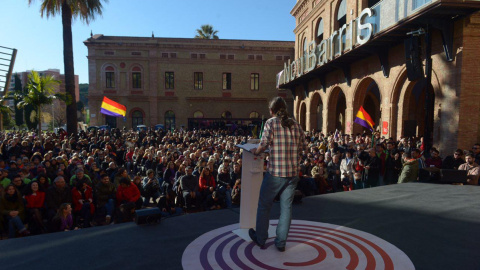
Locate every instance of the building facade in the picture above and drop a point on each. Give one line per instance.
(23, 76)
(351, 53)
(184, 82)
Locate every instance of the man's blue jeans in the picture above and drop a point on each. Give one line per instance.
(109, 206)
(271, 186)
(13, 224)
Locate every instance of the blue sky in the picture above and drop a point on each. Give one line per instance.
(40, 45)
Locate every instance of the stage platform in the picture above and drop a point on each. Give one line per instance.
(435, 226)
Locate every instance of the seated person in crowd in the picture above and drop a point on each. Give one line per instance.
(454, 161)
(128, 199)
(63, 220)
(56, 195)
(105, 192)
(472, 168)
(189, 186)
(435, 160)
(13, 211)
(151, 187)
(224, 188)
(215, 201)
(237, 192)
(166, 204)
(35, 199)
(83, 208)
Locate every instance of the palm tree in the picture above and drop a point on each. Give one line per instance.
(206, 32)
(41, 92)
(70, 9)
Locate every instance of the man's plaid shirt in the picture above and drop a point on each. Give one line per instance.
(285, 147)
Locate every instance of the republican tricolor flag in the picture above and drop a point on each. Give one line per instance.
(364, 119)
(112, 108)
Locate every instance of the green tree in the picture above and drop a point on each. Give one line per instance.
(70, 9)
(206, 32)
(41, 92)
(6, 112)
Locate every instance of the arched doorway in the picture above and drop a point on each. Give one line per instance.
(368, 96)
(303, 115)
(316, 112)
(336, 110)
(414, 110)
(137, 118)
(169, 120)
(111, 121)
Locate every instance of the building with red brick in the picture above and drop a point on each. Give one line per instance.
(355, 53)
(182, 81)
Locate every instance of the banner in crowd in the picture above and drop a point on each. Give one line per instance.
(112, 108)
(364, 119)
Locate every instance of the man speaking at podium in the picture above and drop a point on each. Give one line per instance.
(285, 139)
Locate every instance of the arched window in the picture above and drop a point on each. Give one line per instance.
(169, 120)
(342, 14)
(110, 77)
(254, 114)
(137, 119)
(136, 77)
(226, 115)
(305, 46)
(319, 36)
(198, 114)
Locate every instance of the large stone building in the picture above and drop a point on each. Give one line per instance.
(184, 82)
(351, 53)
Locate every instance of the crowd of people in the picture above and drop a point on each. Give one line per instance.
(58, 182)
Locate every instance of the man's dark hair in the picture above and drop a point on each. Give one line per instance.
(279, 108)
(103, 175)
(124, 180)
(470, 154)
(407, 155)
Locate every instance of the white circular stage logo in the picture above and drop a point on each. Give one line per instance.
(310, 245)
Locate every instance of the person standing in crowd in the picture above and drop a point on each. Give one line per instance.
(372, 169)
(391, 176)
(334, 173)
(472, 168)
(410, 169)
(286, 140)
(347, 170)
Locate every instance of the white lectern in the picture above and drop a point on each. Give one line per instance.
(252, 176)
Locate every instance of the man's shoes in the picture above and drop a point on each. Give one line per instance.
(281, 249)
(253, 236)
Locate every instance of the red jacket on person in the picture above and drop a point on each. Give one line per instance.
(77, 196)
(36, 201)
(129, 194)
(204, 183)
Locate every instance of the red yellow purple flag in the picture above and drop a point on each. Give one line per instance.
(364, 119)
(112, 108)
